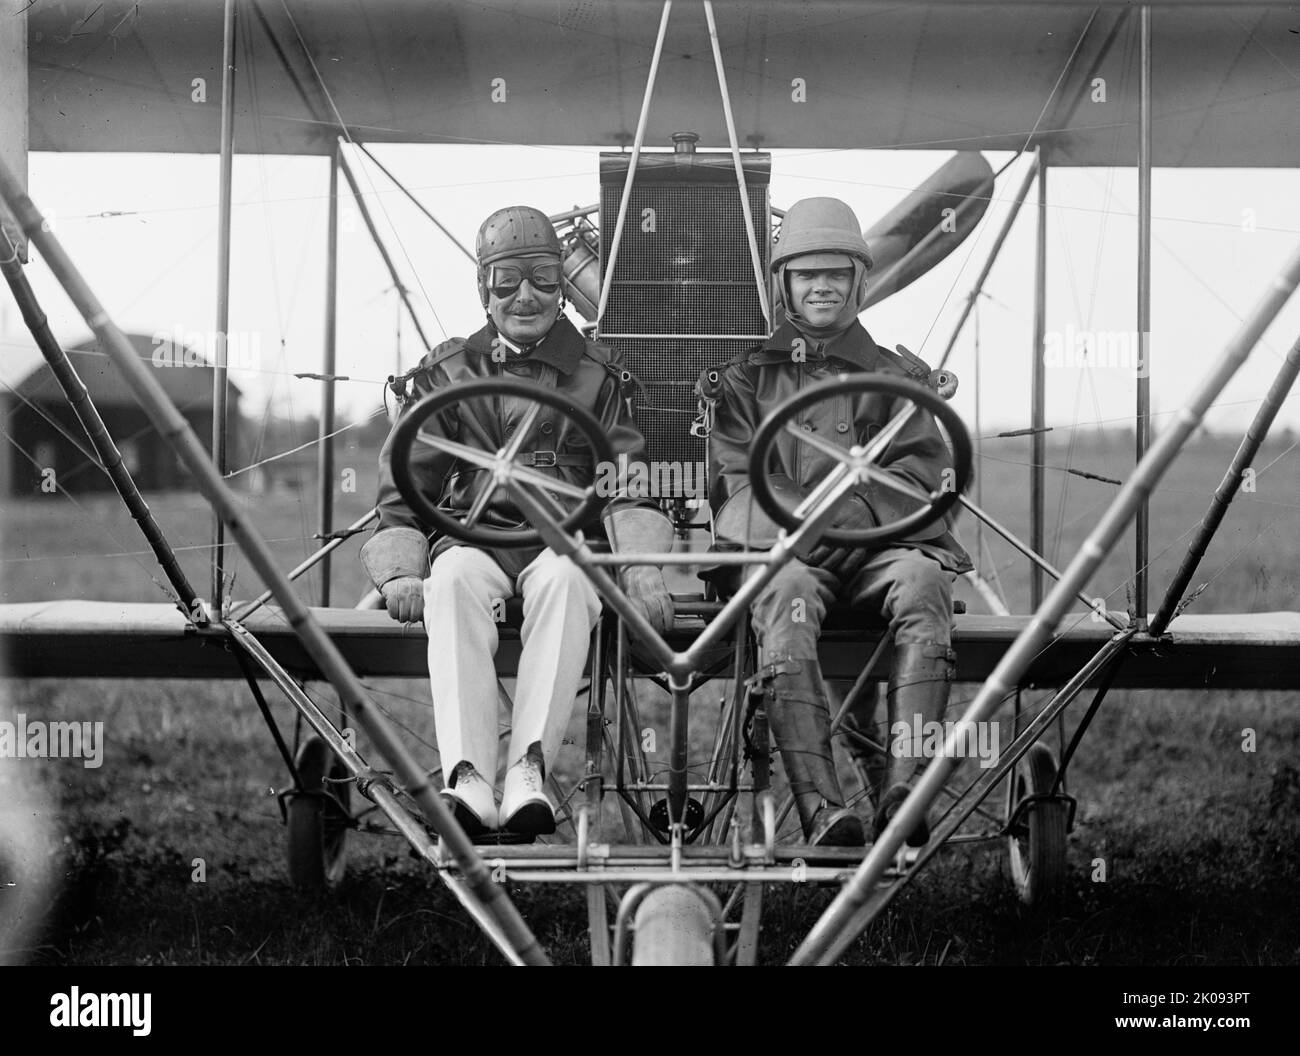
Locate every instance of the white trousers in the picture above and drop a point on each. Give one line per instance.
(464, 588)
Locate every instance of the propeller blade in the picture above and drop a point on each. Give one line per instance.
(928, 224)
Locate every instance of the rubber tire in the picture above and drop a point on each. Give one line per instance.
(1038, 862)
(317, 827)
(673, 927)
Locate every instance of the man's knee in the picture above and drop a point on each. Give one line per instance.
(920, 600)
(464, 574)
(793, 584)
(553, 576)
(790, 609)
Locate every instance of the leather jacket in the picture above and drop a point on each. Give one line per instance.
(755, 383)
(586, 372)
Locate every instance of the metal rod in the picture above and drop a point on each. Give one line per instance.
(631, 169)
(689, 559)
(176, 432)
(1142, 421)
(420, 205)
(368, 782)
(1021, 194)
(325, 432)
(379, 245)
(692, 337)
(572, 214)
(1227, 489)
(1030, 641)
(1037, 560)
(1099, 694)
(100, 439)
(246, 668)
(760, 280)
(1038, 392)
(968, 802)
(252, 606)
(679, 729)
(226, 173)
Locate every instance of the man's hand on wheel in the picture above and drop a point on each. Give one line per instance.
(404, 597)
(845, 561)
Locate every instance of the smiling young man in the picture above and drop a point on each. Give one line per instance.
(820, 266)
(458, 591)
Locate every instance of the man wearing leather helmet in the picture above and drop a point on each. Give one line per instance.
(457, 588)
(820, 266)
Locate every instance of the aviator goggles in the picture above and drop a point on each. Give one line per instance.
(504, 280)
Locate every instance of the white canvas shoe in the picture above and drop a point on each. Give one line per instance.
(470, 798)
(525, 807)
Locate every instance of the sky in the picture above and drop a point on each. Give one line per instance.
(142, 229)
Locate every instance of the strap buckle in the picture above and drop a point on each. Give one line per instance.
(542, 460)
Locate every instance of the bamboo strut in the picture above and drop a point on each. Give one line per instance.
(842, 914)
(105, 449)
(175, 431)
(1227, 489)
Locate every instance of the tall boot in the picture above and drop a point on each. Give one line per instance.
(860, 720)
(919, 680)
(798, 714)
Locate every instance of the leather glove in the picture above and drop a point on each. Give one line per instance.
(404, 597)
(645, 531)
(845, 561)
(646, 589)
(393, 552)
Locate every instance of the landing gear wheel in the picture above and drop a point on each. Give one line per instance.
(1037, 845)
(427, 422)
(861, 460)
(319, 818)
(674, 926)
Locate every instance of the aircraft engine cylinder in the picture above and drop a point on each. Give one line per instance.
(581, 273)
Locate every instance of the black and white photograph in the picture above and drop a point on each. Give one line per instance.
(651, 482)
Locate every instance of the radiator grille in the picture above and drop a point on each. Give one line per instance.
(665, 404)
(691, 274)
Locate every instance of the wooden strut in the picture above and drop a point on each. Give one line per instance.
(178, 434)
(219, 387)
(100, 438)
(325, 425)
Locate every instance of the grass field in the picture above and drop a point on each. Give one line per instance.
(1198, 839)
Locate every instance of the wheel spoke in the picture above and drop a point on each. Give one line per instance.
(480, 503)
(472, 455)
(822, 489)
(521, 433)
(876, 447)
(823, 445)
(888, 480)
(524, 475)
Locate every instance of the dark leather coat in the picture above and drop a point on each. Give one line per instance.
(766, 376)
(586, 372)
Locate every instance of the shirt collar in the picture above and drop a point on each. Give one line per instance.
(853, 345)
(561, 348)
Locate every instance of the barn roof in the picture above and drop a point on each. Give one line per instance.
(23, 369)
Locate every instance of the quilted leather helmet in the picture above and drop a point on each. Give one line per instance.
(515, 231)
